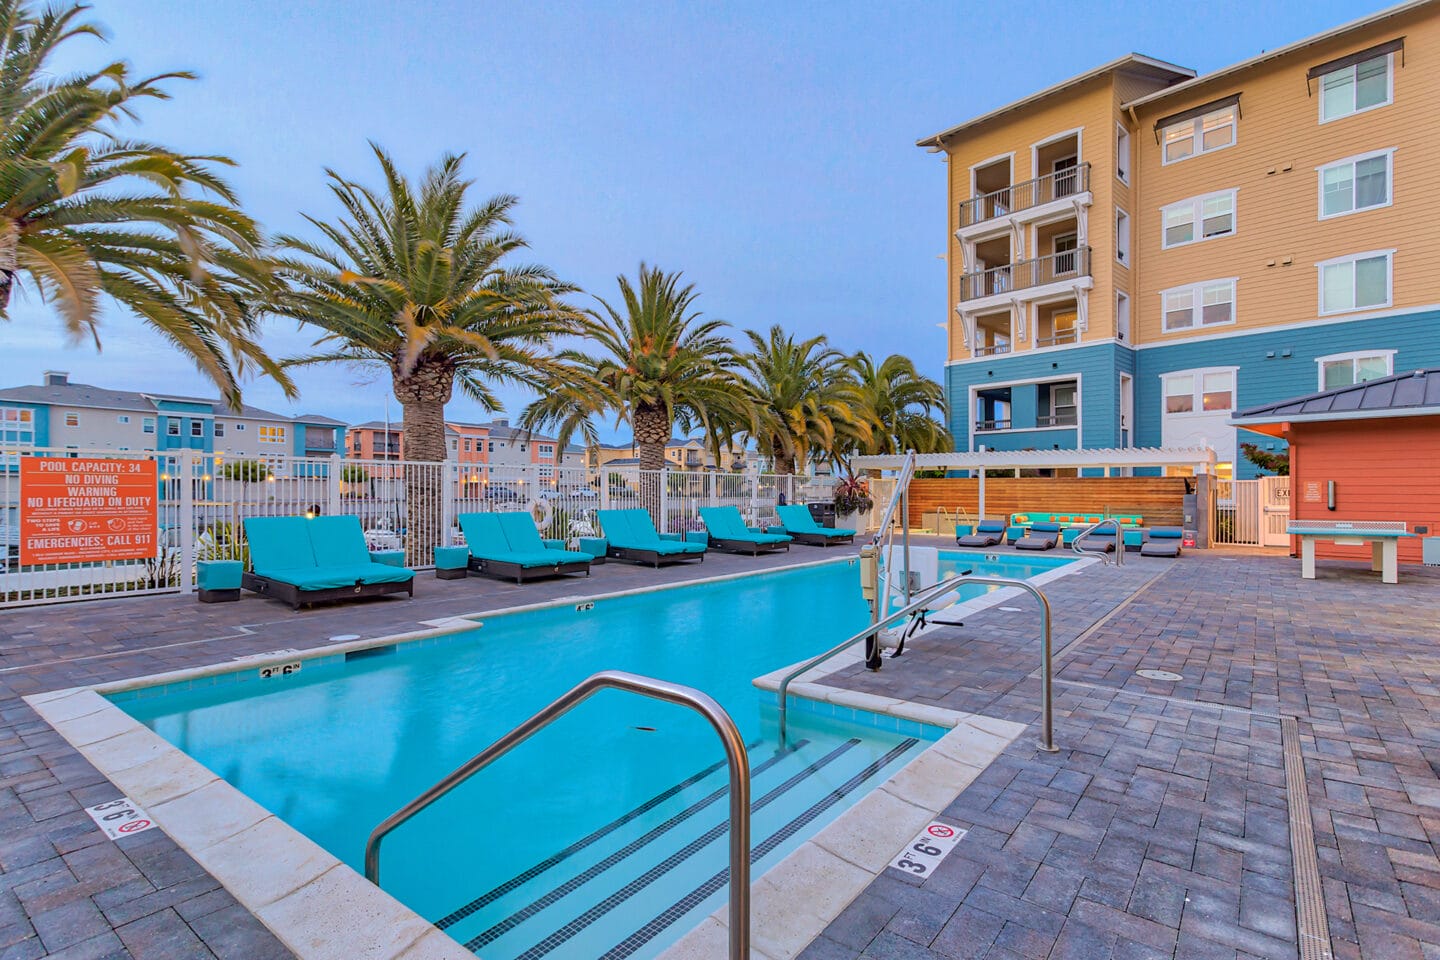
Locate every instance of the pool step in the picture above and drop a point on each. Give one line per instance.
(615, 892)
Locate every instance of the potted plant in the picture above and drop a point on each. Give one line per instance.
(853, 504)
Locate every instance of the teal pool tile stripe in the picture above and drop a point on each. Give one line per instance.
(863, 718)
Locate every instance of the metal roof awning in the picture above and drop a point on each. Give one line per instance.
(1202, 459)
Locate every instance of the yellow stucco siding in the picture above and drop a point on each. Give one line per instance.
(1279, 235)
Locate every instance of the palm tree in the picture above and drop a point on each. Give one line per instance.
(660, 364)
(900, 406)
(801, 390)
(86, 215)
(416, 282)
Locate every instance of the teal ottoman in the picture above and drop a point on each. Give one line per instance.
(597, 547)
(1013, 533)
(697, 536)
(1134, 539)
(394, 558)
(450, 562)
(219, 580)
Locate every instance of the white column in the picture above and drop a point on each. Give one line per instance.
(451, 475)
(332, 485)
(1390, 560)
(980, 506)
(662, 523)
(1307, 557)
(187, 521)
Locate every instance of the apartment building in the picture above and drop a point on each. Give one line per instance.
(61, 415)
(495, 444)
(1139, 251)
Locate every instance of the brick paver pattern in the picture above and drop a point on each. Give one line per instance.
(1158, 830)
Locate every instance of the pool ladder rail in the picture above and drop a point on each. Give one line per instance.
(1047, 738)
(702, 703)
(1119, 559)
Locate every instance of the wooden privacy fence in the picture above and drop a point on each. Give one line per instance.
(1160, 500)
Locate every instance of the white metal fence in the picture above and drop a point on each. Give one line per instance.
(1252, 513)
(412, 506)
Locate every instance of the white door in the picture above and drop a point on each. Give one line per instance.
(1275, 511)
(1127, 411)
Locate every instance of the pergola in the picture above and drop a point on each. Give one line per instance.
(1199, 459)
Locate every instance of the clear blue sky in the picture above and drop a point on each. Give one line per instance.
(765, 149)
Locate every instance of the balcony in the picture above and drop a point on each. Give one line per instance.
(1063, 337)
(982, 425)
(1026, 274)
(1027, 195)
(1062, 419)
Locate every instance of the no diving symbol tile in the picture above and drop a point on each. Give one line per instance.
(120, 818)
(926, 852)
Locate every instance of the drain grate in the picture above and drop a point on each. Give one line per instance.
(1159, 675)
(1310, 921)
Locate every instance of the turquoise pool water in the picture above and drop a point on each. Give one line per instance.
(605, 835)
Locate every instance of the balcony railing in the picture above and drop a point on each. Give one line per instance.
(993, 350)
(1064, 336)
(1024, 195)
(1025, 274)
(993, 424)
(1057, 420)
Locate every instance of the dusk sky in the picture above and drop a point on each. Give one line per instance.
(765, 149)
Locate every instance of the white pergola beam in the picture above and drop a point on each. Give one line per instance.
(1202, 459)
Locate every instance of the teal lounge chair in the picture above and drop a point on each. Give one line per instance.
(801, 526)
(508, 545)
(987, 533)
(1162, 542)
(307, 560)
(631, 536)
(728, 532)
(1042, 535)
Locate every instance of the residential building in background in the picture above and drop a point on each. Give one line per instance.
(1139, 251)
(60, 415)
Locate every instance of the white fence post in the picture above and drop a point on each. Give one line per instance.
(663, 522)
(332, 485)
(187, 522)
(450, 479)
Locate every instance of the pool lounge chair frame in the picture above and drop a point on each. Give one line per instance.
(507, 570)
(818, 536)
(647, 556)
(754, 547)
(747, 546)
(1036, 539)
(1163, 542)
(297, 598)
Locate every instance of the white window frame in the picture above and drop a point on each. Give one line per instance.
(1122, 153)
(172, 427)
(1197, 208)
(1388, 154)
(1389, 256)
(219, 429)
(1122, 237)
(197, 428)
(123, 418)
(1197, 304)
(1197, 134)
(1122, 313)
(1197, 391)
(71, 420)
(1389, 89)
(147, 425)
(270, 433)
(1352, 357)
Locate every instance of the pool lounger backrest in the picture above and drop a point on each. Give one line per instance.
(641, 528)
(614, 525)
(797, 516)
(723, 522)
(1166, 533)
(279, 543)
(991, 526)
(1044, 526)
(338, 541)
(520, 532)
(483, 533)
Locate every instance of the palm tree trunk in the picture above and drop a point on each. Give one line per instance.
(423, 395)
(783, 459)
(652, 431)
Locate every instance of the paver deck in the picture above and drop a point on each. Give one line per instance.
(1159, 830)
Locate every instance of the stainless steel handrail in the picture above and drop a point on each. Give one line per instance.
(1047, 731)
(684, 696)
(1119, 540)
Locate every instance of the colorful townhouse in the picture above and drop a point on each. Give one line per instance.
(479, 448)
(1137, 252)
(60, 415)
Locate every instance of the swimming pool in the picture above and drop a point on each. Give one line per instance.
(603, 837)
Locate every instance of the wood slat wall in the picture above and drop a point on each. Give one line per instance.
(1158, 499)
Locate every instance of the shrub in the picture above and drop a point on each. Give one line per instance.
(852, 496)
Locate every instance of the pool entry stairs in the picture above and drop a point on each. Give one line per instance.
(612, 893)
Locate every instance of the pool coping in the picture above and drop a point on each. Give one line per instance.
(322, 909)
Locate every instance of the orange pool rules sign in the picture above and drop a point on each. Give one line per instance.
(83, 511)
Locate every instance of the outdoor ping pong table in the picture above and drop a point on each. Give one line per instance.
(1383, 536)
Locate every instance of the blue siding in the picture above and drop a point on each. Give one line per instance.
(1096, 367)
(1049, 439)
(1415, 338)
